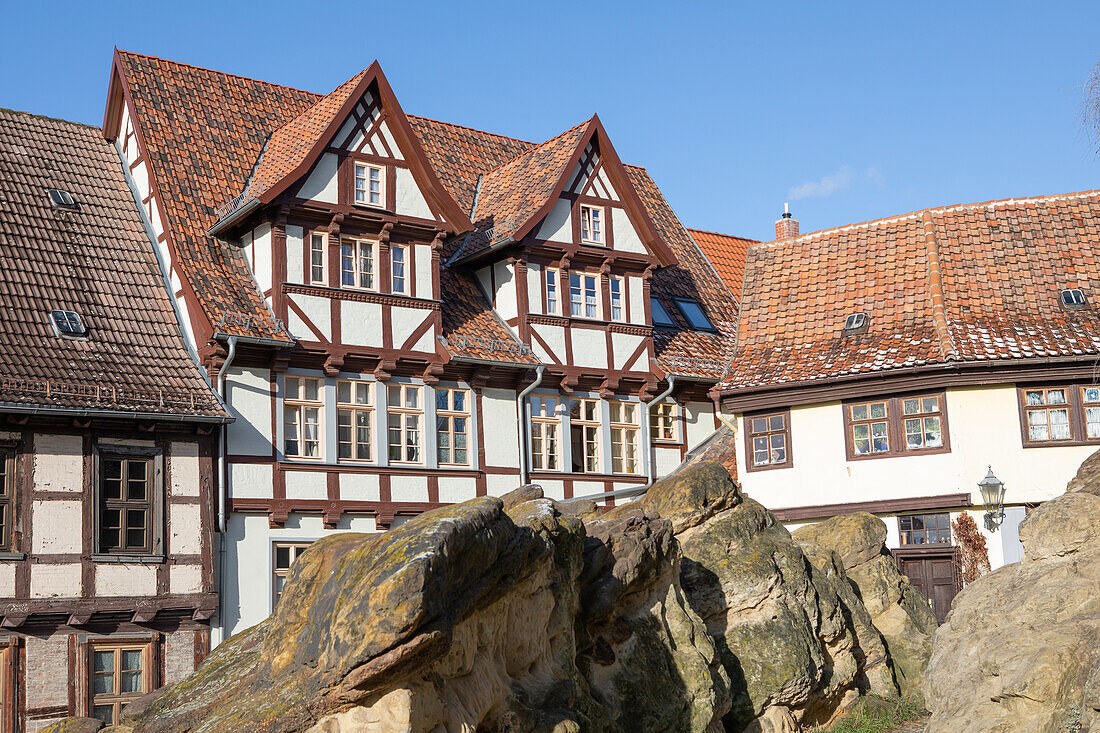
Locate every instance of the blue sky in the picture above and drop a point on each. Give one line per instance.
(851, 111)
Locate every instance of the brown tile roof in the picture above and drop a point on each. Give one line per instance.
(96, 261)
(1001, 265)
(727, 253)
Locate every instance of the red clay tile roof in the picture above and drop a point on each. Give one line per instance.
(1001, 267)
(727, 253)
(96, 261)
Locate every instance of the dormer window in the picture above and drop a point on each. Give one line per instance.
(660, 316)
(694, 314)
(368, 184)
(1073, 298)
(62, 199)
(591, 224)
(67, 324)
(855, 321)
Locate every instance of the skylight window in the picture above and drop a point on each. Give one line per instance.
(1073, 298)
(855, 321)
(661, 316)
(62, 199)
(694, 314)
(67, 323)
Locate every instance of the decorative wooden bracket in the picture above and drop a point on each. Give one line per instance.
(384, 370)
(143, 615)
(334, 225)
(333, 364)
(568, 383)
(437, 241)
(80, 618)
(431, 374)
(14, 620)
(384, 235)
(332, 515)
(203, 614)
(383, 519)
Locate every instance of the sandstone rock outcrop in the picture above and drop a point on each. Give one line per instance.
(689, 610)
(1020, 650)
(897, 609)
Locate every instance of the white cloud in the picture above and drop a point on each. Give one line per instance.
(841, 180)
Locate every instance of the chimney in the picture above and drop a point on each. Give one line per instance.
(786, 226)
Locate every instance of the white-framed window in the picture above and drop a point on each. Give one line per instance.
(368, 184)
(399, 263)
(354, 420)
(302, 409)
(584, 438)
(662, 422)
(592, 224)
(317, 258)
(357, 258)
(584, 298)
(617, 286)
(452, 426)
(624, 437)
(551, 281)
(284, 555)
(404, 419)
(545, 425)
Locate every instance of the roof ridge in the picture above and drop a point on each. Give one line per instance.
(946, 208)
(47, 117)
(535, 147)
(935, 287)
(721, 234)
(216, 71)
(472, 129)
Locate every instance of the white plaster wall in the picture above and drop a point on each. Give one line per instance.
(406, 320)
(55, 581)
(124, 579)
(184, 459)
(249, 397)
(295, 268)
(501, 420)
(634, 286)
(624, 345)
(359, 487)
(626, 237)
(499, 485)
(317, 310)
(409, 488)
(185, 521)
(321, 184)
(261, 252)
(56, 526)
(552, 489)
(185, 317)
(7, 580)
(456, 489)
(589, 348)
(667, 459)
(384, 128)
(558, 225)
(424, 271)
(605, 183)
(698, 422)
(505, 296)
(345, 130)
(185, 579)
(534, 288)
(58, 462)
(360, 323)
(410, 200)
(306, 485)
(586, 488)
(251, 481)
(554, 336)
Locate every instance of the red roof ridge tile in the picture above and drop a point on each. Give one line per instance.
(935, 288)
(215, 71)
(471, 129)
(722, 234)
(533, 149)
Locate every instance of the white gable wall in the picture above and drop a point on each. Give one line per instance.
(321, 183)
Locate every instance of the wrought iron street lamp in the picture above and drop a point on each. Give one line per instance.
(993, 496)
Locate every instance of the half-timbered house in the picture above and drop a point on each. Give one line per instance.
(406, 312)
(107, 441)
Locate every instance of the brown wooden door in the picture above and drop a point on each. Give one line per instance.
(934, 576)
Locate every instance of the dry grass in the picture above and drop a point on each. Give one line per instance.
(877, 715)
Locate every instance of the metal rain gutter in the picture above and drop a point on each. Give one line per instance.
(521, 403)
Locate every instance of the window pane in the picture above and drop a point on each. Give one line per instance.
(442, 399)
(1092, 420)
(931, 404)
(105, 713)
(131, 682)
(343, 391)
(859, 412)
(932, 436)
(1034, 397)
(1092, 394)
(393, 393)
(1038, 432)
(1056, 396)
(910, 407)
(913, 437)
(292, 388)
(282, 558)
(760, 425)
(103, 661)
(412, 397)
(312, 387)
(878, 409)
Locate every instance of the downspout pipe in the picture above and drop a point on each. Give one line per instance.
(223, 487)
(521, 404)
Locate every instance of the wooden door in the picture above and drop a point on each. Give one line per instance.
(934, 576)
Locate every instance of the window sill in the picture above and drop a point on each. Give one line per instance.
(12, 556)
(128, 559)
(900, 454)
(557, 475)
(371, 207)
(770, 467)
(1060, 443)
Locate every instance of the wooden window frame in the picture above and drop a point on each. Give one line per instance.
(449, 414)
(596, 226)
(544, 426)
(583, 292)
(405, 278)
(1075, 403)
(551, 289)
(357, 244)
(586, 424)
(310, 265)
(353, 408)
(297, 548)
(154, 459)
(299, 404)
(355, 177)
(622, 428)
(671, 420)
(620, 281)
(117, 700)
(7, 501)
(895, 426)
(7, 686)
(405, 412)
(910, 515)
(750, 465)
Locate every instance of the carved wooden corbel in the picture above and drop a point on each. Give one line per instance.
(333, 364)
